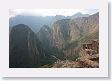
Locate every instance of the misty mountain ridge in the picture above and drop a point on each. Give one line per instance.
(39, 21)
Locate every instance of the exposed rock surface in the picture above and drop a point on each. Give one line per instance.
(89, 58)
(69, 33)
(45, 36)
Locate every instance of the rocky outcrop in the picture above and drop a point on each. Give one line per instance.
(60, 33)
(89, 58)
(87, 24)
(64, 31)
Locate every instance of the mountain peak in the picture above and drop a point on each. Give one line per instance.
(79, 14)
(21, 27)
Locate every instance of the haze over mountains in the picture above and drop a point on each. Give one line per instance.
(39, 21)
(37, 41)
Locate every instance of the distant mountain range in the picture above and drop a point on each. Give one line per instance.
(39, 21)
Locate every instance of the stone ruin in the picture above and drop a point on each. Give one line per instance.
(90, 48)
(89, 54)
(89, 57)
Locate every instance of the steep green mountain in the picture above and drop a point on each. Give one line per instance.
(46, 37)
(25, 49)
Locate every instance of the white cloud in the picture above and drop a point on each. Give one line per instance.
(47, 12)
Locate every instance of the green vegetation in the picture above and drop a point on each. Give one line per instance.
(73, 57)
(64, 27)
(71, 45)
(87, 37)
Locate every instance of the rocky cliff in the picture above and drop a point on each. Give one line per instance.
(67, 34)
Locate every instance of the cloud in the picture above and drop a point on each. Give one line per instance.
(48, 12)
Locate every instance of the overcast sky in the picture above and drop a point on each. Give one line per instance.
(50, 12)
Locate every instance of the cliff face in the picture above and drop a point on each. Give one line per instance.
(87, 24)
(45, 36)
(25, 48)
(60, 33)
(67, 34)
(64, 31)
